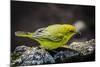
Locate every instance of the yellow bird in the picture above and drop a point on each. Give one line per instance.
(51, 37)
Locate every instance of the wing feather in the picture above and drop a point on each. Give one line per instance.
(43, 34)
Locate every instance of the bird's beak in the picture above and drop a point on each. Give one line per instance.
(78, 33)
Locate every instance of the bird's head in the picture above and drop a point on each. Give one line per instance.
(70, 29)
(77, 27)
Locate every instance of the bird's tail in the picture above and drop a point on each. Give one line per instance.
(23, 34)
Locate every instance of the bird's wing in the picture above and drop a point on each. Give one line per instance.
(57, 37)
(42, 34)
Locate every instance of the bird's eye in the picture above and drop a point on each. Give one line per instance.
(71, 31)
